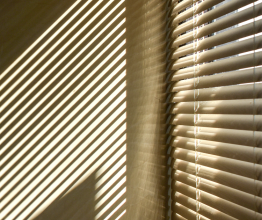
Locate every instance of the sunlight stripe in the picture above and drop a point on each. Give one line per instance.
(52, 48)
(110, 203)
(42, 37)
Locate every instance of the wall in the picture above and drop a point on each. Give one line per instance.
(146, 149)
(82, 109)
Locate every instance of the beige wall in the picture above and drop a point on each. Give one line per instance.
(146, 150)
(84, 139)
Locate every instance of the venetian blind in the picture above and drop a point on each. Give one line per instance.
(215, 109)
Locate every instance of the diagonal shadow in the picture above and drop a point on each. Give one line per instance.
(63, 117)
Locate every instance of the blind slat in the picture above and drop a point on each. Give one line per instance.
(221, 24)
(199, 8)
(237, 152)
(238, 197)
(231, 136)
(184, 189)
(207, 213)
(251, 186)
(215, 202)
(215, 13)
(183, 211)
(221, 79)
(220, 52)
(243, 199)
(178, 217)
(214, 97)
(184, 200)
(219, 93)
(243, 106)
(234, 210)
(227, 64)
(180, 6)
(183, 28)
(221, 38)
(240, 122)
(241, 168)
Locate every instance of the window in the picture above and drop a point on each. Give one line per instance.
(215, 106)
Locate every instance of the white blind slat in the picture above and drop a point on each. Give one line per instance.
(189, 13)
(221, 163)
(214, 99)
(234, 181)
(234, 151)
(221, 79)
(240, 122)
(227, 64)
(217, 12)
(219, 93)
(243, 106)
(223, 23)
(221, 38)
(241, 137)
(238, 197)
